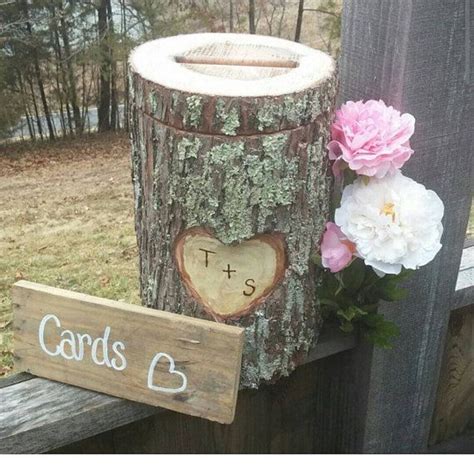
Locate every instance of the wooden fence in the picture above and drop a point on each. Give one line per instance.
(348, 397)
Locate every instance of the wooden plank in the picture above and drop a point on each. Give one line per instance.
(277, 418)
(15, 378)
(454, 409)
(464, 295)
(162, 359)
(463, 444)
(32, 414)
(331, 341)
(39, 415)
(412, 55)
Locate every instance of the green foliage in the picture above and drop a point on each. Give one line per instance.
(352, 296)
(378, 330)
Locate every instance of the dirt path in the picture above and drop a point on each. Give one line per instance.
(66, 219)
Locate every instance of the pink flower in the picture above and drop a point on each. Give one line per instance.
(370, 138)
(336, 250)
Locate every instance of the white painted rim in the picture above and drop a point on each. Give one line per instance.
(155, 62)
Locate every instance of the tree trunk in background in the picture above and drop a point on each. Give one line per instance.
(28, 122)
(60, 62)
(47, 115)
(105, 67)
(299, 21)
(61, 104)
(61, 96)
(25, 106)
(126, 94)
(35, 107)
(63, 77)
(114, 115)
(37, 70)
(71, 82)
(231, 16)
(252, 17)
(48, 80)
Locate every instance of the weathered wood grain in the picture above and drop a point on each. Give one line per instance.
(463, 444)
(15, 378)
(464, 295)
(41, 415)
(165, 359)
(454, 409)
(279, 418)
(412, 54)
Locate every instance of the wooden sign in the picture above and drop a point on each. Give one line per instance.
(229, 280)
(184, 364)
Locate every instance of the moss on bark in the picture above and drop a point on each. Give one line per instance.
(239, 185)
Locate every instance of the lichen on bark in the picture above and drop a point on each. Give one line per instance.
(228, 119)
(238, 185)
(193, 113)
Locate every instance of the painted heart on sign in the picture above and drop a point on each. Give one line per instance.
(229, 280)
(171, 370)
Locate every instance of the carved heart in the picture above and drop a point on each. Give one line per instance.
(171, 370)
(229, 280)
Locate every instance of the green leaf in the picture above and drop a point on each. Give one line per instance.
(328, 302)
(349, 176)
(346, 326)
(330, 285)
(350, 313)
(316, 259)
(379, 331)
(370, 308)
(393, 293)
(353, 276)
(388, 289)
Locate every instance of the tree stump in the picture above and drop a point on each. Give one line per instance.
(232, 187)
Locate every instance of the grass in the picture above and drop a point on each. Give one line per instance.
(67, 221)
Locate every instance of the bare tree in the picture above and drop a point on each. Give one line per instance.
(252, 17)
(71, 86)
(37, 70)
(103, 111)
(299, 21)
(231, 16)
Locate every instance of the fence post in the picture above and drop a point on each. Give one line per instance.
(415, 55)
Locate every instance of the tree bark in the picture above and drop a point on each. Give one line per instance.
(236, 170)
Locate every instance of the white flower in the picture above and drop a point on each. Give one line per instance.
(394, 222)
